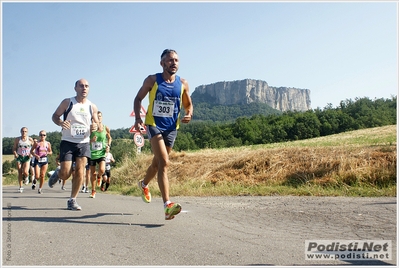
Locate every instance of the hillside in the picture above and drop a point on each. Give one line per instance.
(228, 113)
(359, 163)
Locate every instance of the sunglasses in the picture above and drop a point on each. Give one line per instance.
(43, 135)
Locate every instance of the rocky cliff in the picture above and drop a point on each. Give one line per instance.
(249, 90)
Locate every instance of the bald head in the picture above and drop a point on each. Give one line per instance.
(81, 81)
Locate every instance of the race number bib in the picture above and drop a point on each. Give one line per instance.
(43, 159)
(96, 146)
(163, 108)
(107, 167)
(78, 131)
(23, 151)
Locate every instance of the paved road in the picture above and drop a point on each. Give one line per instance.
(116, 230)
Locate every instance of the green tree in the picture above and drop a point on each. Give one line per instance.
(184, 141)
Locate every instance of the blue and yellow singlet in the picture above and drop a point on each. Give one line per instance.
(164, 104)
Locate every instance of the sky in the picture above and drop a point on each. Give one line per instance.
(337, 50)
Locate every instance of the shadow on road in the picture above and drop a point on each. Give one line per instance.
(368, 262)
(77, 219)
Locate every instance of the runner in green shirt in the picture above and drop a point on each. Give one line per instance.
(99, 141)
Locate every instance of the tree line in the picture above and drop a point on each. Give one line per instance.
(257, 129)
(350, 115)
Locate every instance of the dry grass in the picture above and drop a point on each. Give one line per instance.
(7, 157)
(355, 163)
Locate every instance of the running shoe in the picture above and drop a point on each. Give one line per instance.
(93, 194)
(86, 190)
(171, 210)
(39, 191)
(73, 205)
(20, 190)
(33, 186)
(63, 188)
(83, 189)
(53, 179)
(145, 192)
(26, 180)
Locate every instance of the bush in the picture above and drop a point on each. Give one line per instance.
(7, 167)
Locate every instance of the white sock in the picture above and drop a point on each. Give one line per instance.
(143, 185)
(166, 203)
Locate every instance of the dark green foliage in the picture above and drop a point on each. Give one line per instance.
(7, 167)
(122, 148)
(54, 138)
(8, 143)
(306, 126)
(228, 113)
(288, 126)
(184, 142)
(121, 133)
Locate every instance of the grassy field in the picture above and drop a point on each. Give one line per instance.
(7, 157)
(356, 163)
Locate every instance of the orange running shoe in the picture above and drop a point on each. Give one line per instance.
(145, 193)
(93, 194)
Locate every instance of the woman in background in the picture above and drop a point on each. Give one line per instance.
(40, 150)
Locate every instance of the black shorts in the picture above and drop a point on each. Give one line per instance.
(95, 161)
(33, 162)
(70, 150)
(107, 173)
(41, 162)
